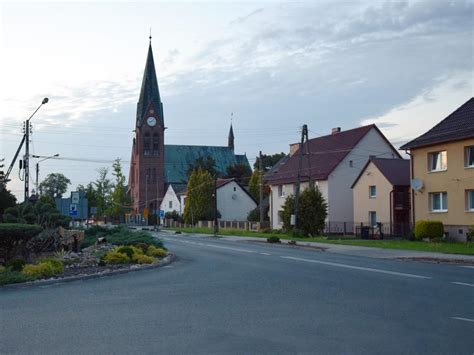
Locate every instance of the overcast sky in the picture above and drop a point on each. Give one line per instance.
(404, 65)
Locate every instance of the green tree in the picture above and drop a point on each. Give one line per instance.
(207, 164)
(239, 172)
(312, 212)
(103, 191)
(54, 185)
(120, 200)
(254, 186)
(7, 199)
(268, 161)
(199, 197)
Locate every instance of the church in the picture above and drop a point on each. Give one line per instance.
(154, 165)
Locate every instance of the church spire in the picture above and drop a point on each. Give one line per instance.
(150, 92)
(230, 140)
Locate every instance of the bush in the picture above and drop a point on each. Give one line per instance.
(142, 246)
(16, 264)
(12, 277)
(126, 250)
(273, 239)
(38, 271)
(434, 230)
(156, 252)
(55, 263)
(470, 234)
(119, 236)
(114, 257)
(14, 238)
(143, 259)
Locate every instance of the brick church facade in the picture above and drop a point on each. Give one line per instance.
(154, 165)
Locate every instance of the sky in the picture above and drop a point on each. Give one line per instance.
(275, 65)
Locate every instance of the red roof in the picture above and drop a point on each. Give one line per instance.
(396, 171)
(325, 154)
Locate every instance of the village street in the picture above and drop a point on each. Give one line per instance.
(239, 297)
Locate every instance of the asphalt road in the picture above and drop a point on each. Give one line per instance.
(245, 298)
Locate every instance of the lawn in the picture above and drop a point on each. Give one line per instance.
(443, 247)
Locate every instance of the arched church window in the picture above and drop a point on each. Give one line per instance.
(156, 144)
(146, 144)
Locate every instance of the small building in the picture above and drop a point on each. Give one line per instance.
(234, 202)
(76, 206)
(381, 194)
(442, 170)
(332, 162)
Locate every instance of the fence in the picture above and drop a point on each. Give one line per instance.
(383, 230)
(238, 225)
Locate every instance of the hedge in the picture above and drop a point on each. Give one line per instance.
(14, 238)
(429, 229)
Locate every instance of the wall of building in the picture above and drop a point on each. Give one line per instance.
(277, 201)
(363, 203)
(233, 203)
(455, 181)
(170, 196)
(341, 203)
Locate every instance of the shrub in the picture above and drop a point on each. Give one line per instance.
(12, 277)
(37, 271)
(126, 250)
(273, 239)
(143, 259)
(14, 238)
(2, 268)
(142, 246)
(114, 257)
(156, 252)
(16, 264)
(470, 234)
(56, 264)
(119, 236)
(434, 230)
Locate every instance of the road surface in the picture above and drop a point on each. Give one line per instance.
(225, 296)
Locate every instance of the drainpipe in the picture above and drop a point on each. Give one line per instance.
(412, 191)
(391, 206)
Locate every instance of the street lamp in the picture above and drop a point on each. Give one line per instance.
(39, 161)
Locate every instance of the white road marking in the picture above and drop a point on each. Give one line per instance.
(357, 267)
(468, 266)
(463, 284)
(464, 319)
(265, 254)
(235, 249)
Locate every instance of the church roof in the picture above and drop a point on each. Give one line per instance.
(149, 93)
(178, 159)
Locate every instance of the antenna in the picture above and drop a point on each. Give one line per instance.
(150, 35)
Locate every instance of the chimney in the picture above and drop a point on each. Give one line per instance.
(336, 130)
(293, 148)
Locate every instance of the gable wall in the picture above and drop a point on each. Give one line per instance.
(234, 205)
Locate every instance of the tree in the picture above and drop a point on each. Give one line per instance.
(199, 203)
(91, 194)
(120, 200)
(254, 186)
(207, 164)
(239, 172)
(7, 199)
(312, 212)
(103, 189)
(55, 185)
(254, 215)
(268, 161)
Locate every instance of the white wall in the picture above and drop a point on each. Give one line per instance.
(234, 205)
(340, 204)
(277, 201)
(170, 196)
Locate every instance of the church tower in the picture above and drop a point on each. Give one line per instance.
(230, 138)
(146, 178)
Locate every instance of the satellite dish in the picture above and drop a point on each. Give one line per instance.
(417, 184)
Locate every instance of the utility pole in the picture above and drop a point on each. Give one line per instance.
(216, 222)
(260, 188)
(304, 133)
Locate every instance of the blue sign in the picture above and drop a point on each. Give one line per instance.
(162, 214)
(93, 210)
(73, 210)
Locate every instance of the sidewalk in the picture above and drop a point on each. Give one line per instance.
(370, 252)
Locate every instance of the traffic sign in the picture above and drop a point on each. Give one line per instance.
(162, 214)
(73, 209)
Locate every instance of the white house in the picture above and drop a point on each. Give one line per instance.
(233, 201)
(333, 162)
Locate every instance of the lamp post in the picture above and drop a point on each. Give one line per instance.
(26, 164)
(37, 167)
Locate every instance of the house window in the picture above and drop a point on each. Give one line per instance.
(470, 200)
(470, 156)
(351, 164)
(171, 204)
(372, 191)
(437, 161)
(439, 201)
(146, 144)
(280, 219)
(235, 189)
(156, 144)
(373, 218)
(280, 191)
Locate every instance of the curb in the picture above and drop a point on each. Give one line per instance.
(165, 261)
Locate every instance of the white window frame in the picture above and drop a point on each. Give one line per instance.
(281, 191)
(373, 223)
(170, 204)
(467, 152)
(441, 155)
(442, 208)
(470, 207)
(374, 195)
